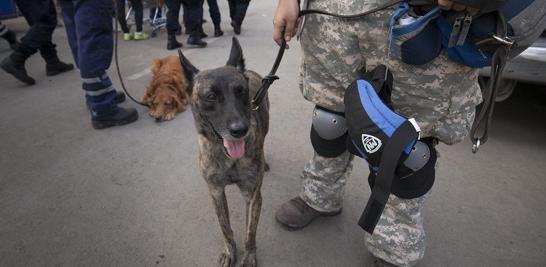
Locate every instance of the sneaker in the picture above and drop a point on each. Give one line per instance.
(122, 117)
(296, 214)
(127, 36)
(140, 36)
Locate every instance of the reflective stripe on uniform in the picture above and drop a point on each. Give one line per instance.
(95, 79)
(100, 92)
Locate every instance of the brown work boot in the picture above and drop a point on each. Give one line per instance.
(296, 214)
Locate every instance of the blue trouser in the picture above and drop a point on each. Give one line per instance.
(237, 10)
(42, 19)
(88, 26)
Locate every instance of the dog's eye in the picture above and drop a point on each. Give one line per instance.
(211, 96)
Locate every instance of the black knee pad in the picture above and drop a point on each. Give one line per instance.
(415, 176)
(328, 132)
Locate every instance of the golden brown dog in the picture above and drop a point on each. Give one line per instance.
(166, 94)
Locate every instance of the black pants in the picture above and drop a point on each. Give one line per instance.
(137, 8)
(193, 15)
(153, 10)
(237, 10)
(214, 11)
(41, 16)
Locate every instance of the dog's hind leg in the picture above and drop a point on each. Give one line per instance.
(253, 208)
(228, 257)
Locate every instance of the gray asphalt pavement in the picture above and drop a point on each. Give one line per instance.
(133, 196)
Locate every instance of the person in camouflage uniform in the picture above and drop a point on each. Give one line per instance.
(441, 96)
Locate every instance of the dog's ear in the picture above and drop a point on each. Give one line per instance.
(189, 70)
(147, 98)
(236, 56)
(156, 64)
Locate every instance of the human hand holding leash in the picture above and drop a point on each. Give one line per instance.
(285, 21)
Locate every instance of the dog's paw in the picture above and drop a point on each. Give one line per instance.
(226, 259)
(169, 116)
(249, 259)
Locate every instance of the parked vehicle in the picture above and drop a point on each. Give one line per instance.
(528, 67)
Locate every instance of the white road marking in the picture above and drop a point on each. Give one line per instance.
(139, 74)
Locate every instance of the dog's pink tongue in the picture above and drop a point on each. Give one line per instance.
(235, 148)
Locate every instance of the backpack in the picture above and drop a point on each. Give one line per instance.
(503, 29)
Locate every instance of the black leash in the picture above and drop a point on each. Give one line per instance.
(116, 59)
(479, 131)
(271, 77)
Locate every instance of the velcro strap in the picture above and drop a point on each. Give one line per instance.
(404, 135)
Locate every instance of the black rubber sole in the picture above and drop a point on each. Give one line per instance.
(192, 45)
(174, 46)
(54, 72)
(107, 124)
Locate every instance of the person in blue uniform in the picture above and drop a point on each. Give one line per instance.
(214, 12)
(237, 12)
(193, 14)
(41, 16)
(88, 26)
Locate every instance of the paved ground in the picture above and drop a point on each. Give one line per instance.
(132, 196)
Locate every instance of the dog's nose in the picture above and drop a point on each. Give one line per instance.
(238, 129)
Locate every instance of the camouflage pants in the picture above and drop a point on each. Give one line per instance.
(440, 95)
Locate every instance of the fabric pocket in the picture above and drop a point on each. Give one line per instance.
(414, 40)
(468, 53)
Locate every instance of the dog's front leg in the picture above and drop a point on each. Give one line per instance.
(228, 257)
(253, 208)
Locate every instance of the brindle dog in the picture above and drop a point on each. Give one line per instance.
(231, 141)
